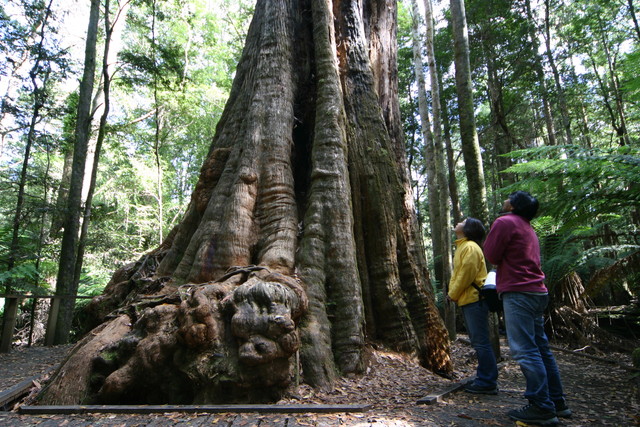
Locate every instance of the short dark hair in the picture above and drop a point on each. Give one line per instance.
(524, 204)
(474, 230)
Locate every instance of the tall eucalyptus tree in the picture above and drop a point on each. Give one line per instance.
(468, 132)
(66, 288)
(547, 110)
(437, 184)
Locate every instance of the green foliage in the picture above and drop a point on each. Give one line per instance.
(579, 184)
(191, 61)
(29, 272)
(588, 201)
(20, 273)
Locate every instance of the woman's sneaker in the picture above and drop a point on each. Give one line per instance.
(562, 410)
(476, 389)
(534, 414)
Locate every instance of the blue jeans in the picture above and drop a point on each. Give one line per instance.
(476, 319)
(524, 321)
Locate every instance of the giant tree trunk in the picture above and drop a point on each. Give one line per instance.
(296, 233)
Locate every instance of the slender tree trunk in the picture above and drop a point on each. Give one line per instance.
(451, 161)
(538, 67)
(585, 132)
(57, 219)
(562, 100)
(429, 153)
(634, 18)
(158, 163)
(439, 180)
(504, 140)
(105, 99)
(157, 130)
(41, 244)
(468, 134)
(68, 253)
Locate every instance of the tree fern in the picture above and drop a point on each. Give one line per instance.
(590, 199)
(578, 184)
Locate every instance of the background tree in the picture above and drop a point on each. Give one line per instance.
(437, 184)
(123, 223)
(468, 132)
(65, 286)
(584, 79)
(43, 60)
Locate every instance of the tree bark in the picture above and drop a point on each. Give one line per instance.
(297, 236)
(538, 67)
(68, 252)
(441, 179)
(562, 99)
(468, 134)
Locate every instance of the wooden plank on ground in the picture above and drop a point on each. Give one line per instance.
(149, 409)
(439, 396)
(21, 389)
(15, 392)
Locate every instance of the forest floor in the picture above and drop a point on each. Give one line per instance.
(599, 392)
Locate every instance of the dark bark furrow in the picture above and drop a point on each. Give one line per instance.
(329, 213)
(371, 156)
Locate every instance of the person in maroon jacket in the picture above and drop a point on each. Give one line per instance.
(513, 247)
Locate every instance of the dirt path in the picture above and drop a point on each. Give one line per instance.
(599, 393)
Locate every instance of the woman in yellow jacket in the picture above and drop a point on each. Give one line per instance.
(469, 268)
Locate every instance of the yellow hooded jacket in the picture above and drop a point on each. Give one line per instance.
(468, 267)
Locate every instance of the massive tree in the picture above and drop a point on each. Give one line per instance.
(298, 237)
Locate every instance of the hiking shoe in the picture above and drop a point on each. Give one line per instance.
(562, 410)
(476, 389)
(534, 414)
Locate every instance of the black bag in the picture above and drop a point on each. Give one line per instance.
(490, 295)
